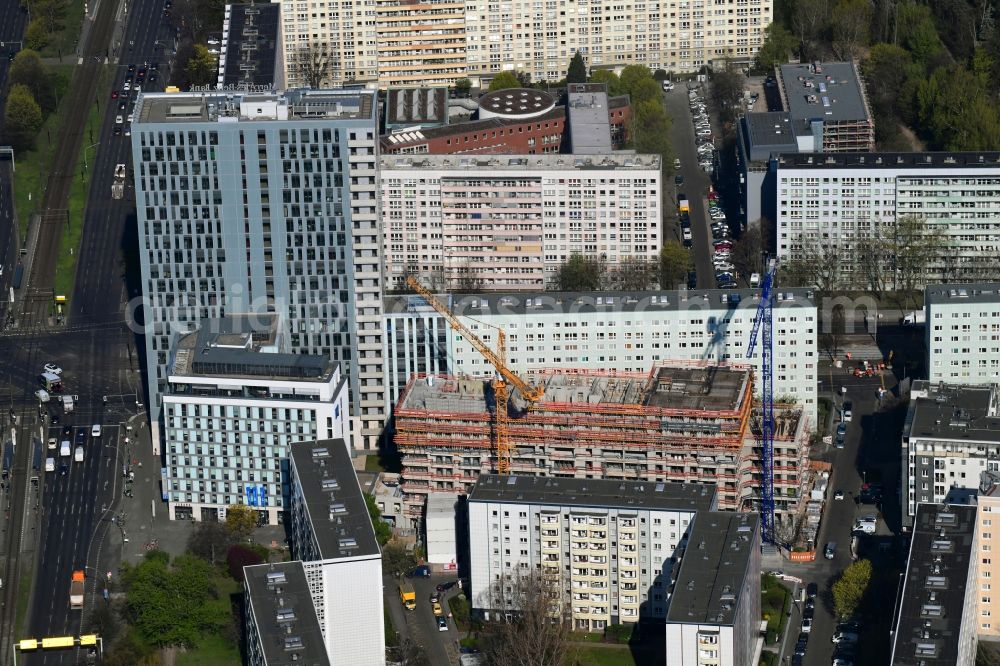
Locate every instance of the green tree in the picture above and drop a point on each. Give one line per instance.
(463, 87)
(580, 273)
(776, 49)
(241, 521)
(727, 92)
(171, 604)
(36, 37)
(675, 263)
(29, 70)
(915, 31)
(201, 67)
(382, 530)
(577, 72)
(956, 113)
(610, 79)
(888, 71)
(850, 588)
(638, 83)
(23, 117)
(397, 559)
(661, 75)
(504, 80)
(651, 131)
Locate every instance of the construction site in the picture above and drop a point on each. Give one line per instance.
(684, 422)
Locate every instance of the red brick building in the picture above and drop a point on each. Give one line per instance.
(545, 133)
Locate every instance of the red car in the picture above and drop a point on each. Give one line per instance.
(114, 94)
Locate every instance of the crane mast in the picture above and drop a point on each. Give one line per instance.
(500, 384)
(762, 323)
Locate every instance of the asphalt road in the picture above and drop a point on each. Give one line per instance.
(871, 453)
(440, 647)
(100, 290)
(695, 186)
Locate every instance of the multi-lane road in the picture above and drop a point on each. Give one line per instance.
(63, 525)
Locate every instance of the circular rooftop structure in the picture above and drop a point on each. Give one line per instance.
(515, 103)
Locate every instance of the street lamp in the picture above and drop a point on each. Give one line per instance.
(85, 166)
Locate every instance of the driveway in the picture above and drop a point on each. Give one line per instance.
(695, 186)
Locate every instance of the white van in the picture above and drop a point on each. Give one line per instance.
(50, 464)
(42, 395)
(64, 448)
(78, 454)
(755, 280)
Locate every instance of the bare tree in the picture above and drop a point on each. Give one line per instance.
(632, 274)
(917, 249)
(873, 259)
(748, 251)
(314, 65)
(529, 623)
(808, 21)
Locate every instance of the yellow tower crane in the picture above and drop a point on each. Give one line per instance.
(500, 384)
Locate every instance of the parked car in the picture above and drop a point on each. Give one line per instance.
(839, 495)
(53, 368)
(442, 624)
(436, 608)
(807, 626)
(692, 281)
(841, 429)
(811, 590)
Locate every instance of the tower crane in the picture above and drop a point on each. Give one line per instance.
(762, 323)
(500, 384)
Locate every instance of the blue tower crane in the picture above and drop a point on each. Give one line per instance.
(762, 324)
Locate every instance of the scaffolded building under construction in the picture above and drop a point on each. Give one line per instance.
(687, 423)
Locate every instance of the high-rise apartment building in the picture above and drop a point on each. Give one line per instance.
(935, 618)
(439, 42)
(613, 331)
(950, 437)
(280, 624)
(988, 503)
(232, 407)
(830, 206)
(962, 333)
(714, 615)
(607, 545)
(264, 203)
(332, 534)
(508, 223)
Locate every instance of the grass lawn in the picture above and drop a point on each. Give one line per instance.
(69, 244)
(32, 167)
(64, 40)
(23, 596)
(775, 600)
(372, 464)
(214, 649)
(602, 656)
(211, 651)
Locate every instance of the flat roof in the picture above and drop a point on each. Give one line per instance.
(593, 493)
(552, 162)
(692, 389)
(237, 106)
(714, 568)
(770, 128)
(424, 134)
(957, 294)
(415, 106)
(859, 160)
(232, 347)
(930, 617)
(589, 125)
(516, 102)
(286, 619)
(571, 303)
(251, 47)
(828, 91)
(955, 412)
(337, 510)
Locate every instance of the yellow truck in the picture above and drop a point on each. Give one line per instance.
(407, 595)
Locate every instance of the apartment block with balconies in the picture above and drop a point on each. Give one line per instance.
(607, 545)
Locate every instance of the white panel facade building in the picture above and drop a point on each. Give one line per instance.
(232, 408)
(333, 535)
(608, 543)
(439, 42)
(602, 330)
(714, 615)
(950, 437)
(962, 333)
(827, 203)
(507, 223)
